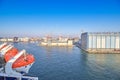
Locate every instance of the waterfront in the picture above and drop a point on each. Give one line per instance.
(71, 63)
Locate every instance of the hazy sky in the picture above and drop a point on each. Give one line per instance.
(39, 17)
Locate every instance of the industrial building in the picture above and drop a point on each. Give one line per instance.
(49, 41)
(101, 42)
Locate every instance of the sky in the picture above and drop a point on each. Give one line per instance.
(58, 17)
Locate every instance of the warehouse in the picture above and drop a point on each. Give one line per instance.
(101, 42)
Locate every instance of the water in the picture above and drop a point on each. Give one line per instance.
(71, 63)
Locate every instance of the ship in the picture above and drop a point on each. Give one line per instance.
(15, 64)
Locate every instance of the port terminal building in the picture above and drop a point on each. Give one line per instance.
(101, 42)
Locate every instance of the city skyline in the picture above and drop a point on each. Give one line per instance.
(67, 17)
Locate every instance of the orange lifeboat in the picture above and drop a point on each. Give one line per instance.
(23, 60)
(10, 54)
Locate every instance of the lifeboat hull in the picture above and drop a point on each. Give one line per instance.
(23, 63)
(10, 54)
(23, 60)
(24, 69)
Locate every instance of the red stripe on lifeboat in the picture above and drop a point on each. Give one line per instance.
(10, 54)
(24, 60)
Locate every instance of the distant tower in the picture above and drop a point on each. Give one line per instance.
(81, 31)
(15, 39)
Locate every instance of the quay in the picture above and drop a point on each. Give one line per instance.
(56, 43)
(49, 41)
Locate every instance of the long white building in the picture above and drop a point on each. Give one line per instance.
(101, 42)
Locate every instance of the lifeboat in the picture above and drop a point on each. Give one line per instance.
(10, 54)
(23, 61)
(17, 63)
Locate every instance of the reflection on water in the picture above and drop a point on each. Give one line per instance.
(71, 63)
(60, 49)
(105, 66)
(104, 59)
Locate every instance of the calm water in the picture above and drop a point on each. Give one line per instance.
(62, 63)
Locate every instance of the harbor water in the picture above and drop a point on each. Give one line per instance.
(71, 63)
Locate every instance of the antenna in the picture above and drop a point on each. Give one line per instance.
(82, 31)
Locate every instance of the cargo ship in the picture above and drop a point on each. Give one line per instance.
(15, 64)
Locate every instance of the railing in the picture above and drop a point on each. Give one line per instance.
(14, 77)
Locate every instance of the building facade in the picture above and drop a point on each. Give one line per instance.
(101, 42)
